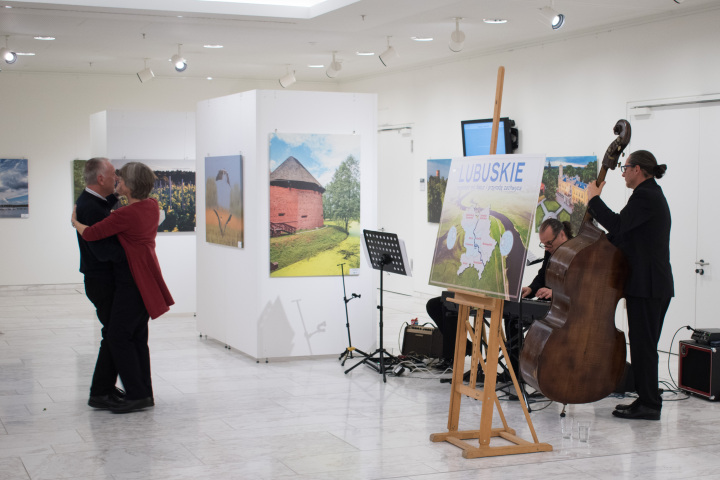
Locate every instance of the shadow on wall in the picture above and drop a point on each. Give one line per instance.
(275, 335)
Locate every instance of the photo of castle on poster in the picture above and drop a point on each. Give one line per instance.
(314, 204)
(486, 223)
(563, 192)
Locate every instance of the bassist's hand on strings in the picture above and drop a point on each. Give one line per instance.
(593, 190)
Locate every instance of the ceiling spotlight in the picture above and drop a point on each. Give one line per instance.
(178, 61)
(146, 74)
(556, 19)
(457, 38)
(288, 79)
(334, 68)
(388, 55)
(6, 54)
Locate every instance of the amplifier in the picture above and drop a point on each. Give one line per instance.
(707, 336)
(699, 369)
(422, 341)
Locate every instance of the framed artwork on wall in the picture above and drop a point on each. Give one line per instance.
(174, 190)
(437, 176)
(314, 204)
(14, 200)
(224, 207)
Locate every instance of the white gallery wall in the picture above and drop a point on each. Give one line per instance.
(565, 97)
(46, 119)
(238, 303)
(146, 136)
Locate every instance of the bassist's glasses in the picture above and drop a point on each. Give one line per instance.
(625, 167)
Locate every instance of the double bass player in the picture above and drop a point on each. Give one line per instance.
(642, 233)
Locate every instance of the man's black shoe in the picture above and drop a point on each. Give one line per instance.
(128, 406)
(638, 412)
(104, 402)
(119, 393)
(627, 406)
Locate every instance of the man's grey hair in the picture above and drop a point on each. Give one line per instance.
(93, 168)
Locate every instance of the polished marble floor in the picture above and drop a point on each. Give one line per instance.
(221, 415)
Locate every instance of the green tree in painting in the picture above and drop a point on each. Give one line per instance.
(341, 200)
(550, 179)
(436, 194)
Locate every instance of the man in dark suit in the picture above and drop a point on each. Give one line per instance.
(642, 232)
(96, 263)
(553, 233)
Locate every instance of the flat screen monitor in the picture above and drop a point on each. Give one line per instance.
(477, 134)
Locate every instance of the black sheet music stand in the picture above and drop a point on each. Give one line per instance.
(385, 252)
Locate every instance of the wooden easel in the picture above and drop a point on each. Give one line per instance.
(467, 301)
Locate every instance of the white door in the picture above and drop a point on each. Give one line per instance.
(708, 230)
(685, 138)
(395, 212)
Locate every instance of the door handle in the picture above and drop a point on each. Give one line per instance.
(702, 263)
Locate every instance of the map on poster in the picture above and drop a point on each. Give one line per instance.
(486, 223)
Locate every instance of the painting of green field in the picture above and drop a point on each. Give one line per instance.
(316, 252)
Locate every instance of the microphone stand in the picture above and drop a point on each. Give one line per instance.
(348, 352)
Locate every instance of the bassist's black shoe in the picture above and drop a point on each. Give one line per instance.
(638, 412)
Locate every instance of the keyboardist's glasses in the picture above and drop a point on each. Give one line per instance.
(550, 243)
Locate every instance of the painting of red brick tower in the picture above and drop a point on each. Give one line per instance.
(296, 201)
(314, 204)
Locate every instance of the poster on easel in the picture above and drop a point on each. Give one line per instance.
(486, 223)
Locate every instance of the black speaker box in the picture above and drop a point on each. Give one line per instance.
(699, 369)
(422, 341)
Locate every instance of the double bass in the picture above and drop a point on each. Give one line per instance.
(576, 354)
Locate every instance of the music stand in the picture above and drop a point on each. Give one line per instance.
(385, 252)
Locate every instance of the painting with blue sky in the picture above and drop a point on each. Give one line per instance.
(314, 204)
(14, 201)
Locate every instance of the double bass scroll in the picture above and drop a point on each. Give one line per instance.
(575, 354)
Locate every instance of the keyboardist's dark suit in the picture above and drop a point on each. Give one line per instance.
(539, 280)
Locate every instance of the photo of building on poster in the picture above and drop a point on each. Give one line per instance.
(563, 192)
(14, 200)
(174, 190)
(437, 175)
(224, 207)
(486, 223)
(314, 204)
